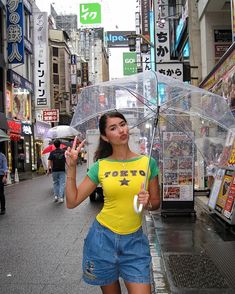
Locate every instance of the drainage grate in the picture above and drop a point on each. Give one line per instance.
(195, 271)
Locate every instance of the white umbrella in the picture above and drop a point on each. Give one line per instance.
(62, 131)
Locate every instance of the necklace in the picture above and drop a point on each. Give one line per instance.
(123, 164)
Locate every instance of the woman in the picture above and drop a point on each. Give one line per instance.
(115, 245)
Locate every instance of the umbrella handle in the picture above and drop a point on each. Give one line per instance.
(137, 208)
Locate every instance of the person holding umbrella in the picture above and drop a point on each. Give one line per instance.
(115, 245)
(56, 165)
(3, 180)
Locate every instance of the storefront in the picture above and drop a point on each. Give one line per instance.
(18, 97)
(18, 112)
(15, 146)
(221, 80)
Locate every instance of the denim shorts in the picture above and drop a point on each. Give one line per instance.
(108, 256)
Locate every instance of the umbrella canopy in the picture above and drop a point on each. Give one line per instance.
(62, 131)
(149, 97)
(3, 136)
(51, 147)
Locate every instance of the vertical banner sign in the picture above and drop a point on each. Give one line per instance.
(41, 61)
(162, 31)
(85, 74)
(129, 63)
(145, 7)
(146, 61)
(15, 31)
(90, 13)
(73, 79)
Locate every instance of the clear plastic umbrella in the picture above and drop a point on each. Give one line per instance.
(3, 136)
(62, 132)
(163, 104)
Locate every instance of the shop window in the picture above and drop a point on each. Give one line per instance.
(55, 68)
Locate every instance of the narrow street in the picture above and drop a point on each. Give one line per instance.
(41, 241)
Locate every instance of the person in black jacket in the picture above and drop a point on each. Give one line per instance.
(56, 165)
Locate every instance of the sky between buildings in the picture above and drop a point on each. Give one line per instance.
(117, 15)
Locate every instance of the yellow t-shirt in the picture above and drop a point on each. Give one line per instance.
(121, 181)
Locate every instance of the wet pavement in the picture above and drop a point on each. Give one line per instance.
(198, 253)
(189, 254)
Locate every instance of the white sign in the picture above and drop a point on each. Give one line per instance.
(41, 72)
(162, 31)
(171, 69)
(50, 115)
(146, 62)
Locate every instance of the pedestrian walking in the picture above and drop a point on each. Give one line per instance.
(115, 245)
(3, 180)
(56, 166)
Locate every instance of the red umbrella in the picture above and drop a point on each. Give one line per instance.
(51, 147)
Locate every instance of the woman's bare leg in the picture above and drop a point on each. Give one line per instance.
(138, 288)
(111, 289)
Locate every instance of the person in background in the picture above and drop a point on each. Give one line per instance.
(56, 165)
(115, 245)
(3, 180)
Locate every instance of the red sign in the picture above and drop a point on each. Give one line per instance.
(51, 115)
(14, 126)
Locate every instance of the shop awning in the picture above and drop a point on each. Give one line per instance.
(3, 121)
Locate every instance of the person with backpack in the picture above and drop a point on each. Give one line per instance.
(56, 166)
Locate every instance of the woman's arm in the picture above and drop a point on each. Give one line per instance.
(75, 195)
(154, 194)
(150, 198)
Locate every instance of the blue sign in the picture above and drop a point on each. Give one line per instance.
(19, 81)
(73, 59)
(118, 38)
(15, 31)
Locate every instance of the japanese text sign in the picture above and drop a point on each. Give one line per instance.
(51, 115)
(15, 31)
(171, 69)
(41, 60)
(162, 31)
(90, 13)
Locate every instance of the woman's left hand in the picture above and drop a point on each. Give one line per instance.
(143, 196)
(71, 154)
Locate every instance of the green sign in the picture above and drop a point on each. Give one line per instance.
(129, 63)
(90, 13)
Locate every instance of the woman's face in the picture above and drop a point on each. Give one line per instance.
(117, 132)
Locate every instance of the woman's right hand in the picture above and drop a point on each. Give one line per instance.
(71, 154)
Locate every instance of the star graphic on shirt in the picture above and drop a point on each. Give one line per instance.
(124, 182)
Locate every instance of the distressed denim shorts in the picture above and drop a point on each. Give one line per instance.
(108, 256)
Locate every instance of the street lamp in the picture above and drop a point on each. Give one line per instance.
(144, 44)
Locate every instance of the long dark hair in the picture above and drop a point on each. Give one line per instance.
(104, 148)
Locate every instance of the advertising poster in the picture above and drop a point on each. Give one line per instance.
(228, 208)
(223, 193)
(216, 188)
(178, 166)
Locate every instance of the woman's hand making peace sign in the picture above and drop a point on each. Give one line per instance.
(71, 154)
